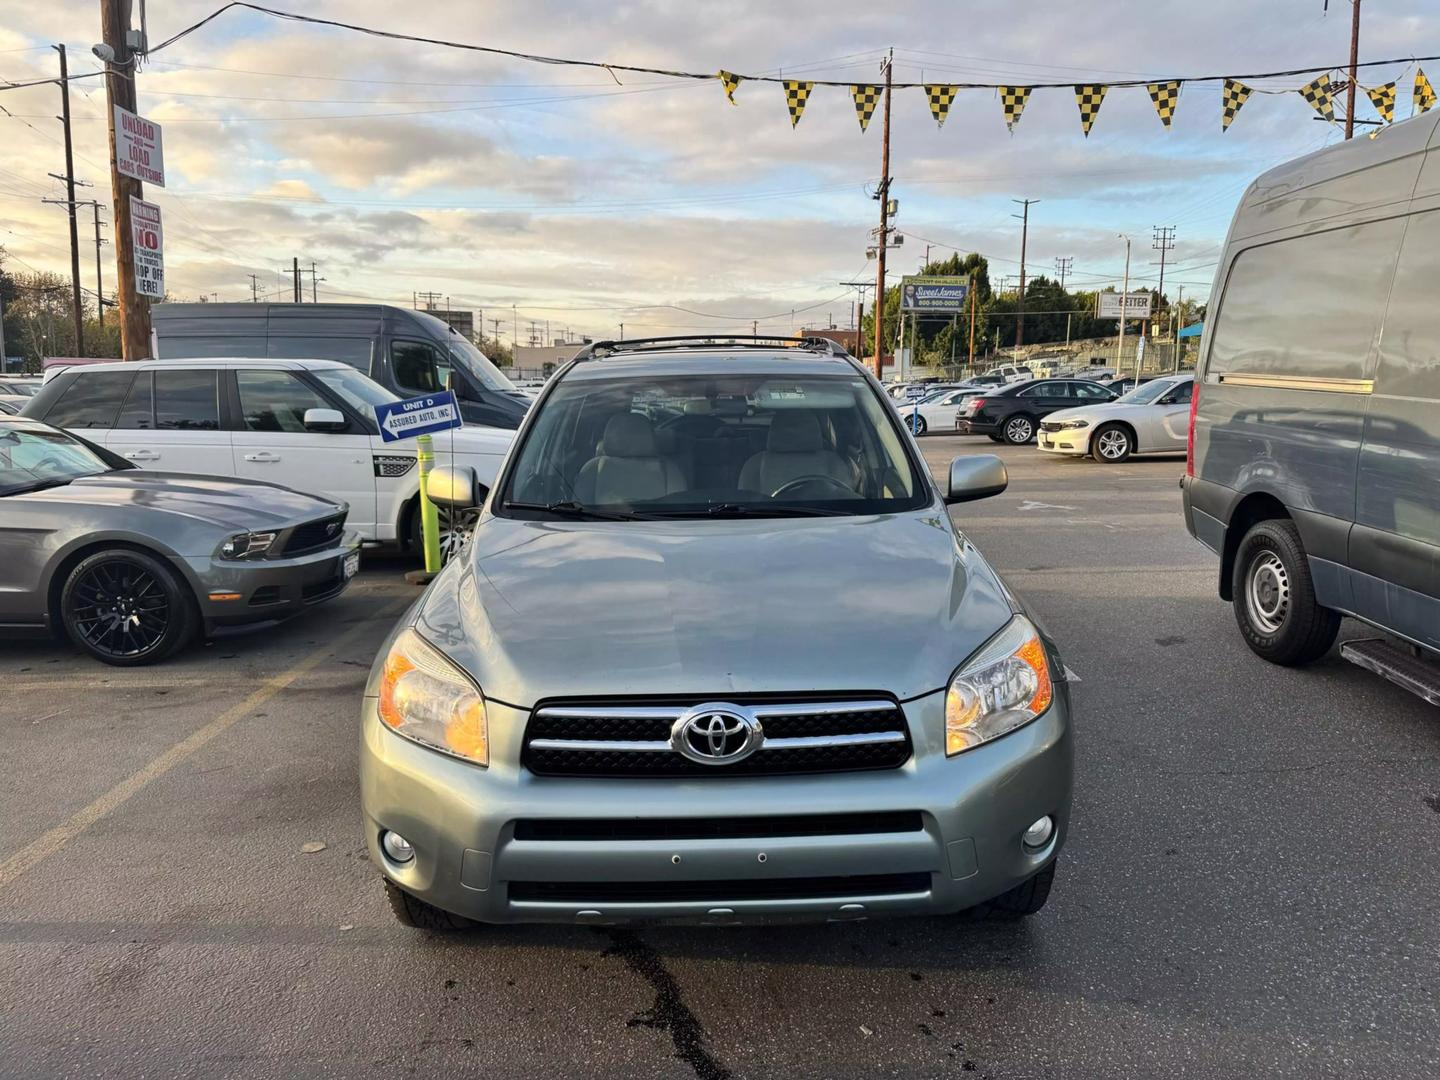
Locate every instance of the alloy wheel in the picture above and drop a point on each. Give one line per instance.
(456, 528)
(120, 609)
(1019, 430)
(1113, 444)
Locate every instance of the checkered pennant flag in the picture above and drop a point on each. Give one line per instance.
(1383, 98)
(1424, 96)
(1232, 97)
(731, 82)
(1165, 95)
(1012, 100)
(940, 99)
(796, 94)
(1089, 96)
(1317, 93)
(866, 98)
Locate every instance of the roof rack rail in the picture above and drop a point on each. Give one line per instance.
(600, 349)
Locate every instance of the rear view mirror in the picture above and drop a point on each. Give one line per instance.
(325, 420)
(453, 487)
(977, 476)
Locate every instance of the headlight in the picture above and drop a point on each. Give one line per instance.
(247, 545)
(425, 697)
(1070, 425)
(1002, 687)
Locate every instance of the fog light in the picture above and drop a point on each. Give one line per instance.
(401, 850)
(1038, 834)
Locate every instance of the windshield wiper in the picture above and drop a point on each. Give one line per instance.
(572, 509)
(737, 510)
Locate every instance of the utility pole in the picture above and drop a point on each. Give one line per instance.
(972, 323)
(1162, 240)
(1024, 217)
(883, 236)
(496, 324)
(314, 281)
(99, 282)
(295, 271)
(79, 311)
(120, 90)
(925, 262)
(1124, 303)
(1176, 328)
(1062, 268)
(254, 289)
(1354, 65)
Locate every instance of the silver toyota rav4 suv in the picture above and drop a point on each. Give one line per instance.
(716, 653)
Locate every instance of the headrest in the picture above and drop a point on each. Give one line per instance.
(628, 435)
(698, 407)
(795, 432)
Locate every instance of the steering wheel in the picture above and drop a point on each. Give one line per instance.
(845, 490)
(51, 460)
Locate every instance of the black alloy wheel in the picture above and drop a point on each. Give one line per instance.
(126, 608)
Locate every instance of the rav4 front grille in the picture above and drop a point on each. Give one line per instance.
(604, 739)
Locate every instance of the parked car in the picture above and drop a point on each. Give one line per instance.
(1154, 418)
(936, 411)
(310, 423)
(131, 565)
(1013, 413)
(11, 405)
(640, 696)
(11, 387)
(1123, 384)
(1314, 470)
(1010, 373)
(409, 352)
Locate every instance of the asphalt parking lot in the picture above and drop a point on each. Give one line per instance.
(1252, 885)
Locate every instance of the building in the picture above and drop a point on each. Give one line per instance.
(539, 361)
(849, 340)
(462, 322)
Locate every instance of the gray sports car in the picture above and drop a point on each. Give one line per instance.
(131, 565)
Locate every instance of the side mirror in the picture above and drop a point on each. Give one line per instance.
(453, 487)
(977, 476)
(325, 420)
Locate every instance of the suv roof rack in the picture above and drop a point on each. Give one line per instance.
(600, 349)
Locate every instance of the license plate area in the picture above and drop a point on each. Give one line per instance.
(350, 565)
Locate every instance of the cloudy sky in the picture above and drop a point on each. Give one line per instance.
(538, 192)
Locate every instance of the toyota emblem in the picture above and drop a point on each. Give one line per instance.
(716, 734)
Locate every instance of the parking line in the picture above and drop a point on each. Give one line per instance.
(51, 842)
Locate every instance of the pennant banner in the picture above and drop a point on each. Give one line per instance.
(866, 98)
(1383, 98)
(796, 94)
(1165, 95)
(940, 99)
(1012, 100)
(1233, 96)
(731, 82)
(1317, 93)
(1424, 96)
(1089, 96)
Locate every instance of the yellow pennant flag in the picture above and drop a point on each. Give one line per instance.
(866, 98)
(731, 82)
(1089, 96)
(796, 94)
(940, 99)
(1232, 97)
(1317, 94)
(1424, 96)
(1012, 100)
(1165, 95)
(1383, 98)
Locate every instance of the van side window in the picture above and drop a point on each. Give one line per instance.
(419, 366)
(91, 401)
(1309, 306)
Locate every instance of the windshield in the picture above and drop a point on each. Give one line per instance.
(360, 392)
(713, 445)
(31, 458)
(1145, 393)
(478, 364)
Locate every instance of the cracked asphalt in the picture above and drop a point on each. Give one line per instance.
(1252, 886)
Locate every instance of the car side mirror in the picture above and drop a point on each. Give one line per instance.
(325, 420)
(976, 476)
(453, 487)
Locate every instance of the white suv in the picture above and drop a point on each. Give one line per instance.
(304, 424)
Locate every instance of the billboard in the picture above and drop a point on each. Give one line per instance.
(938, 295)
(1137, 305)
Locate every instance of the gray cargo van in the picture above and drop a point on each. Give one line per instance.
(1314, 465)
(410, 352)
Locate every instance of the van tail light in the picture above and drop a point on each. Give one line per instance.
(1190, 435)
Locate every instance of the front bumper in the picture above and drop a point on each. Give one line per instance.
(965, 848)
(1074, 441)
(268, 590)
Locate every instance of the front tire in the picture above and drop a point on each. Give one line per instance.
(127, 608)
(456, 528)
(1274, 597)
(1113, 444)
(412, 911)
(917, 424)
(1022, 901)
(1019, 429)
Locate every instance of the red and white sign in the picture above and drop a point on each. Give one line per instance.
(139, 150)
(148, 241)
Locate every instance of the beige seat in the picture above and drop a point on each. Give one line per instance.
(793, 449)
(627, 468)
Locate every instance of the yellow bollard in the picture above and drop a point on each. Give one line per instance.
(429, 518)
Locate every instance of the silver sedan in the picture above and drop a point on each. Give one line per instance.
(1153, 418)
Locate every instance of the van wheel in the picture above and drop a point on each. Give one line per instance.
(1274, 597)
(1025, 899)
(1019, 429)
(412, 911)
(1113, 444)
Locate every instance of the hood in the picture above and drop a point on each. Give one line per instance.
(1104, 410)
(815, 605)
(231, 505)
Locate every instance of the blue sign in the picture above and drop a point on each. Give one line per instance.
(418, 416)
